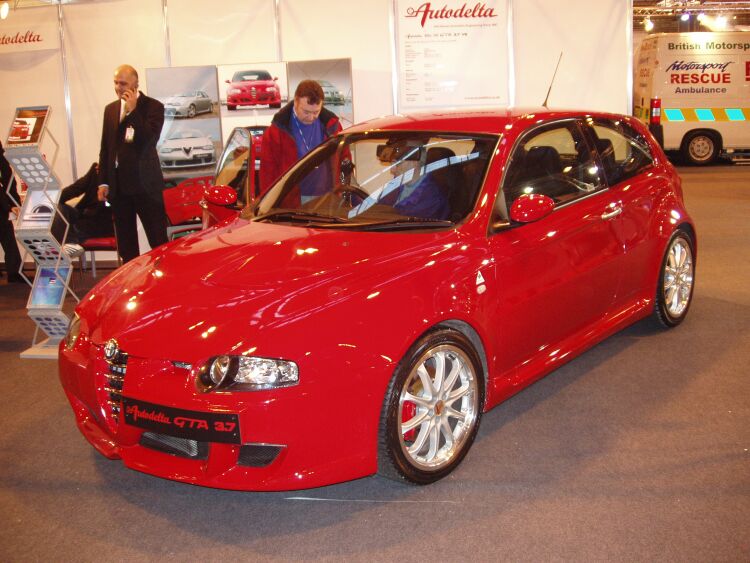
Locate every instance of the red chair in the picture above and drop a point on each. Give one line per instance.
(91, 245)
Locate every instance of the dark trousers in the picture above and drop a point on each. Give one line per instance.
(153, 218)
(82, 226)
(10, 248)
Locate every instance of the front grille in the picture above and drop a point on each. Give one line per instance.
(180, 447)
(258, 455)
(115, 378)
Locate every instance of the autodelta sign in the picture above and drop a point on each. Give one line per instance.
(705, 66)
(33, 29)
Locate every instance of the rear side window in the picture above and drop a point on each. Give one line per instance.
(623, 151)
(555, 161)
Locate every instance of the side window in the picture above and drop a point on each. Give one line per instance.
(623, 151)
(554, 161)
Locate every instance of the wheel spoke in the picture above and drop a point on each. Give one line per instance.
(447, 432)
(450, 381)
(419, 401)
(424, 432)
(456, 394)
(434, 440)
(426, 380)
(439, 359)
(415, 421)
(453, 413)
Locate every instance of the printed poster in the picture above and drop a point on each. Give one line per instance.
(452, 54)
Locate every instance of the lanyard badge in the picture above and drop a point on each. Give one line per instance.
(129, 134)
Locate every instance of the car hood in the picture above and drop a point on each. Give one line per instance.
(249, 83)
(178, 101)
(190, 142)
(243, 277)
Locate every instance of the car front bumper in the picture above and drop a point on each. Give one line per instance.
(283, 442)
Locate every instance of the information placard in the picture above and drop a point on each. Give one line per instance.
(452, 54)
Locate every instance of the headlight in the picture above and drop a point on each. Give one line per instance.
(167, 150)
(235, 91)
(74, 329)
(246, 373)
(206, 148)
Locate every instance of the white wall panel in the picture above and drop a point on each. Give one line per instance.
(34, 78)
(98, 38)
(337, 29)
(594, 38)
(221, 31)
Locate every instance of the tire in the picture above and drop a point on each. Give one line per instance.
(231, 108)
(191, 111)
(278, 105)
(700, 148)
(423, 439)
(676, 281)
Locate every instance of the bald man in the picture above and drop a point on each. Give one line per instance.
(130, 176)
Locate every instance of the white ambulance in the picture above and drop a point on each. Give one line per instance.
(693, 89)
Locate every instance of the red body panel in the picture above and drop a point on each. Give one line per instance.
(347, 305)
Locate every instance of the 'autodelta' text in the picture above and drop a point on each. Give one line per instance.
(28, 37)
(426, 12)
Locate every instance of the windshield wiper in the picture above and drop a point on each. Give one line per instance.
(300, 216)
(408, 223)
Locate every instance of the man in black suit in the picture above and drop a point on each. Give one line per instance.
(130, 176)
(90, 218)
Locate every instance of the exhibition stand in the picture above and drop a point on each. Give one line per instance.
(35, 233)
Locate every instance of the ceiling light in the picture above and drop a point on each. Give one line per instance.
(685, 16)
(648, 25)
(4, 9)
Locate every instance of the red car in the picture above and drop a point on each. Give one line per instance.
(19, 130)
(403, 278)
(252, 88)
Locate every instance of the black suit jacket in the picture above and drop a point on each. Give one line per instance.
(86, 186)
(138, 171)
(6, 179)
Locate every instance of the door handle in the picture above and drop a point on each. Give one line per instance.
(616, 210)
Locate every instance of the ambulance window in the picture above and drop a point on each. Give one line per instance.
(623, 151)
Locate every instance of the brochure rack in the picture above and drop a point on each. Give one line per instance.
(34, 229)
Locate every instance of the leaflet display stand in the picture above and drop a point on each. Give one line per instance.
(34, 230)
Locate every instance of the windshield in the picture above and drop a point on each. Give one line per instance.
(404, 179)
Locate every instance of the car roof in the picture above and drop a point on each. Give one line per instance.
(492, 121)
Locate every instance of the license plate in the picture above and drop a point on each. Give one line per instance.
(192, 425)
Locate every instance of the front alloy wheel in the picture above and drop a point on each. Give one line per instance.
(676, 280)
(432, 409)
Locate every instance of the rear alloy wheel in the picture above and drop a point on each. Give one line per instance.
(676, 281)
(700, 148)
(432, 409)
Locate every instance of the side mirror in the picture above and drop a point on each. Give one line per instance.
(228, 81)
(221, 195)
(531, 207)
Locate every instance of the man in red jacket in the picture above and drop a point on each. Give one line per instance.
(296, 129)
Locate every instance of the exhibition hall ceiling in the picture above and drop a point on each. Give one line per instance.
(656, 16)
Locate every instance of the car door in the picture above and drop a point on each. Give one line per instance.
(635, 183)
(557, 277)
